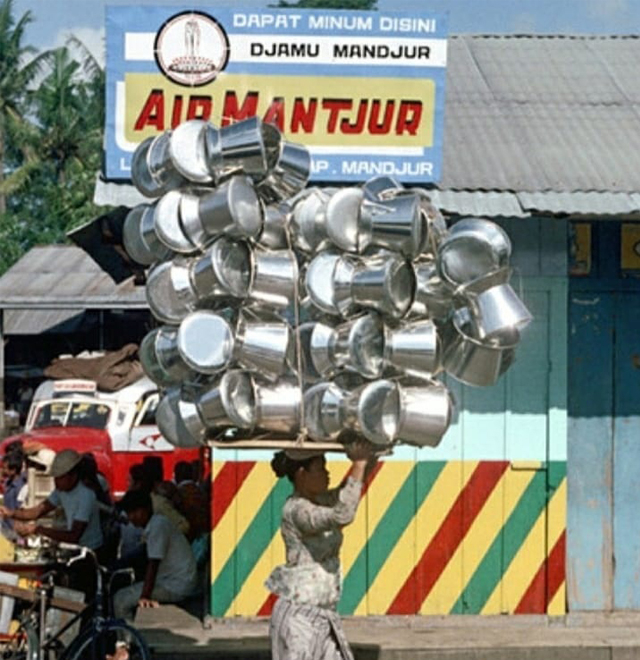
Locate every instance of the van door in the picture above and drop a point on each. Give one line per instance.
(145, 434)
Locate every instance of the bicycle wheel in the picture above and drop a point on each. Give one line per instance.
(23, 645)
(112, 640)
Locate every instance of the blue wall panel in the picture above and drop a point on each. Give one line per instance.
(626, 453)
(590, 452)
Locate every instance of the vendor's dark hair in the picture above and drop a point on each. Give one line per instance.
(284, 466)
(13, 460)
(135, 499)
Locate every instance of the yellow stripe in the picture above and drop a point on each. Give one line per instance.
(238, 516)
(558, 604)
(376, 502)
(557, 525)
(447, 589)
(216, 466)
(253, 593)
(415, 539)
(517, 578)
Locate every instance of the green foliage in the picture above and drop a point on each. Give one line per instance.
(51, 122)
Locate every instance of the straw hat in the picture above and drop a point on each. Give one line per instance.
(64, 462)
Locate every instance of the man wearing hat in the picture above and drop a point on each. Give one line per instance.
(78, 502)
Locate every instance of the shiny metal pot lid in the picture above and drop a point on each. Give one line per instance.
(343, 219)
(169, 291)
(205, 341)
(187, 150)
(167, 223)
(379, 411)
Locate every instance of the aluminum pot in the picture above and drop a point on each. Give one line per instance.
(168, 225)
(433, 297)
(413, 348)
(496, 311)
(139, 237)
(381, 187)
(277, 406)
(425, 414)
(229, 402)
(266, 348)
(358, 345)
(473, 248)
(155, 359)
(152, 170)
(308, 220)
(395, 224)
(233, 208)
(374, 411)
(275, 226)
(472, 361)
(275, 277)
(385, 282)
(178, 420)
(248, 146)
(224, 270)
(289, 174)
(325, 415)
(343, 219)
(188, 153)
(169, 291)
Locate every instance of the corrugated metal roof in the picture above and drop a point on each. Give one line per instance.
(36, 321)
(537, 113)
(465, 202)
(58, 277)
(581, 203)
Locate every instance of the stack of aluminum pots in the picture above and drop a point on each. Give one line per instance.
(308, 313)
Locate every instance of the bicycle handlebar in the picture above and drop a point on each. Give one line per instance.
(82, 551)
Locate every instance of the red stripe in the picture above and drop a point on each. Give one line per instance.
(447, 539)
(550, 575)
(267, 606)
(226, 485)
(370, 477)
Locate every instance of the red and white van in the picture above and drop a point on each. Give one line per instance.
(117, 427)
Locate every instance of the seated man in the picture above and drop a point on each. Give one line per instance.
(78, 502)
(81, 513)
(170, 575)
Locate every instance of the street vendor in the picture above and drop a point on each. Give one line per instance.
(304, 622)
(78, 502)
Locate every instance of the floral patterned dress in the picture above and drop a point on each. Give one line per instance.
(304, 624)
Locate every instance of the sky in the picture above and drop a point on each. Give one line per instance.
(55, 20)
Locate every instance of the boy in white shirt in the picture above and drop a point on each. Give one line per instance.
(170, 575)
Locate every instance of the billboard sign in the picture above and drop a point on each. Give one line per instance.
(364, 91)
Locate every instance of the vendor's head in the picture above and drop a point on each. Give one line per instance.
(11, 465)
(138, 507)
(306, 469)
(65, 469)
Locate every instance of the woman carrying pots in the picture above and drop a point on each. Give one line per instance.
(304, 622)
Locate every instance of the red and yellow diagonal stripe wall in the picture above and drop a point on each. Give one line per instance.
(430, 537)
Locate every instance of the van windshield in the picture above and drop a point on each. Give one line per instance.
(72, 413)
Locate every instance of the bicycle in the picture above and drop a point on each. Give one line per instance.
(101, 637)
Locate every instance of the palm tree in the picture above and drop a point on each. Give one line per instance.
(15, 78)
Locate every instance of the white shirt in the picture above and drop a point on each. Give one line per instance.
(177, 569)
(80, 504)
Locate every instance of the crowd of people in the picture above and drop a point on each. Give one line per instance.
(159, 528)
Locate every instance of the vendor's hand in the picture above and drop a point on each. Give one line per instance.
(359, 450)
(5, 513)
(148, 602)
(24, 528)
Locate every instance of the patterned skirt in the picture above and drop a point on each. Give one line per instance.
(305, 632)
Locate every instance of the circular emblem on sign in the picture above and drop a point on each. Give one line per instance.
(191, 48)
